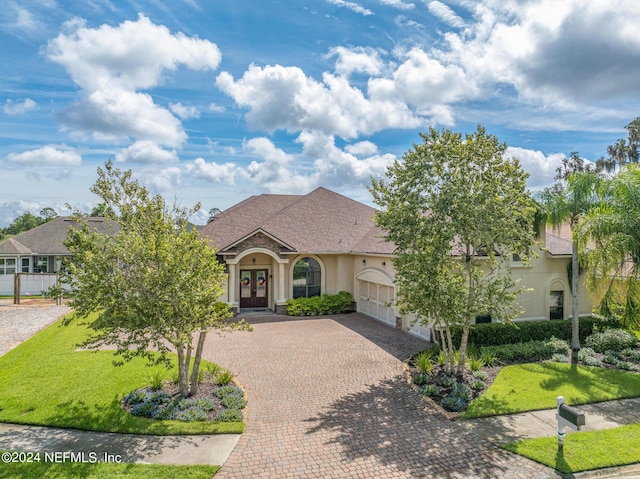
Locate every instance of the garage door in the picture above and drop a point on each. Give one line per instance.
(376, 300)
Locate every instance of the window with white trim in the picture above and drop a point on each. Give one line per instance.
(306, 278)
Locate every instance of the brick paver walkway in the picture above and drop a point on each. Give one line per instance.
(327, 399)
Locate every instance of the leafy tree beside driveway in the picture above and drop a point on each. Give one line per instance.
(153, 283)
(456, 210)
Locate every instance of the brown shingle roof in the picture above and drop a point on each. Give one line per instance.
(11, 246)
(558, 241)
(322, 221)
(48, 238)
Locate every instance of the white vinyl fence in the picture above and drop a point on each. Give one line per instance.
(31, 284)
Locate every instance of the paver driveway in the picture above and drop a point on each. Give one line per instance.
(327, 399)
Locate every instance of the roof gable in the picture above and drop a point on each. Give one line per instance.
(48, 238)
(321, 221)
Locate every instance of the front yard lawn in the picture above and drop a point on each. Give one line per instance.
(584, 451)
(37, 470)
(535, 386)
(46, 381)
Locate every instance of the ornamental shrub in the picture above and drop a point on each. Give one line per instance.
(611, 340)
(420, 379)
(481, 375)
(230, 415)
(429, 390)
(320, 305)
(233, 402)
(228, 390)
(191, 414)
(453, 404)
(477, 385)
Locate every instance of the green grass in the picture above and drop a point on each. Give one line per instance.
(584, 451)
(104, 471)
(530, 387)
(46, 381)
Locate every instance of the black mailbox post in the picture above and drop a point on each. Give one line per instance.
(567, 416)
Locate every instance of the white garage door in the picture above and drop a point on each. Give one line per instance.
(376, 300)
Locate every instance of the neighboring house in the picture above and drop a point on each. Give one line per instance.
(278, 247)
(39, 250)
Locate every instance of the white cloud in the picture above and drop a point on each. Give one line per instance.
(541, 167)
(19, 107)
(358, 60)
(10, 210)
(118, 114)
(335, 167)
(146, 152)
(427, 84)
(163, 181)
(184, 112)
(111, 63)
(216, 108)
(212, 172)
(49, 155)
(398, 4)
(444, 13)
(285, 98)
(554, 52)
(362, 148)
(351, 6)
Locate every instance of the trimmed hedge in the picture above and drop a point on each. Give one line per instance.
(320, 305)
(529, 351)
(495, 334)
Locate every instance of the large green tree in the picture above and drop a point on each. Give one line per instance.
(610, 238)
(153, 283)
(27, 221)
(456, 210)
(567, 203)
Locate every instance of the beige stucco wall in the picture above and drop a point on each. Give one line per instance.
(341, 272)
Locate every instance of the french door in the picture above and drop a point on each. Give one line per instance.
(254, 288)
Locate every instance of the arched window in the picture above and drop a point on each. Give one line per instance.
(306, 278)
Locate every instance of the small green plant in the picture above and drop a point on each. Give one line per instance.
(423, 362)
(453, 404)
(560, 358)
(475, 364)
(627, 366)
(477, 385)
(233, 402)
(489, 358)
(230, 415)
(155, 380)
(213, 370)
(447, 381)
(225, 377)
(223, 391)
(462, 391)
(558, 345)
(420, 379)
(481, 375)
(611, 358)
(631, 354)
(429, 390)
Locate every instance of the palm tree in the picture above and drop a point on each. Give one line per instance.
(619, 152)
(614, 227)
(569, 204)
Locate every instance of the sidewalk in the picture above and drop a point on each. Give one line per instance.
(212, 449)
(503, 429)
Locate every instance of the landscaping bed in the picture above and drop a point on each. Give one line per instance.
(613, 350)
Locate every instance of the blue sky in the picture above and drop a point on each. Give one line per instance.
(213, 101)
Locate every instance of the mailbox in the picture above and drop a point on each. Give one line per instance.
(572, 415)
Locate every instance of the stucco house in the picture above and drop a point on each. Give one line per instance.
(39, 251)
(286, 246)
